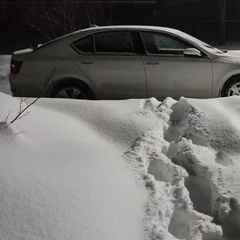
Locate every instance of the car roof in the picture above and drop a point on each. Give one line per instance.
(126, 27)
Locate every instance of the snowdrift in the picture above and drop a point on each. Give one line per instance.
(133, 169)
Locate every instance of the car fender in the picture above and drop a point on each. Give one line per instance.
(220, 80)
(70, 71)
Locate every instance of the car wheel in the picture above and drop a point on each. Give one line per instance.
(72, 90)
(232, 88)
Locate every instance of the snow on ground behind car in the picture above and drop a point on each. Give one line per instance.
(133, 169)
(4, 73)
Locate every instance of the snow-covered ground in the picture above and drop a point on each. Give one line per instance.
(124, 170)
(4, 74)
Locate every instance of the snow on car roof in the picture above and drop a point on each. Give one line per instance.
(130, 27)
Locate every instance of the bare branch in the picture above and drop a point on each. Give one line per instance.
(7, 116)
(40, 31)
(20, 117)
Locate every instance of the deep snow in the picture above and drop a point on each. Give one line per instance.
(133, 169)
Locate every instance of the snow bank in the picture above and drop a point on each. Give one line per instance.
(60, 179)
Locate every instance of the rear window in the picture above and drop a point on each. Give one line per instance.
(84, 45)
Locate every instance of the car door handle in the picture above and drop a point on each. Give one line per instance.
(152, 63)
(86, 62)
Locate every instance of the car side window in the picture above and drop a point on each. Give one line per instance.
(159, 43)
(84, 45)
(113, 43)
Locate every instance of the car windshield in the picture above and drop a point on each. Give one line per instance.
(200, 43)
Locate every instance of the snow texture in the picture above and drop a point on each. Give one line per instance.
(4, 74)
(132, 169)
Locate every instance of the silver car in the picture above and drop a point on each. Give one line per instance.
(120, 62)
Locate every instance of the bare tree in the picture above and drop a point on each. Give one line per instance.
(62, 16)
(222, 21)
(50, 19)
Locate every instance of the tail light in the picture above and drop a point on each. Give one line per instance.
(15, 66)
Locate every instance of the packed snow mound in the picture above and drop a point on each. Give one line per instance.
(194, 152)
(132, 169)
(212, 122)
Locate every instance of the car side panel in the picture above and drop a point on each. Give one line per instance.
(178, 76)
(223, 71)
(117, 77)
(70, 71)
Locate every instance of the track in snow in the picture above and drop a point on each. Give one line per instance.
(185, 172)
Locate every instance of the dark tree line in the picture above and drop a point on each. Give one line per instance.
(47, 19)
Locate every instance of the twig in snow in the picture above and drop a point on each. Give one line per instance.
(21, 111)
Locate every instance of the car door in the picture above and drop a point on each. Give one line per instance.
(170, 73)
(111, 62)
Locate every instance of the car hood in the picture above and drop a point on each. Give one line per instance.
(234, 53)
(231, 57)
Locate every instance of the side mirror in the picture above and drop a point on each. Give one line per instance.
(192, 52)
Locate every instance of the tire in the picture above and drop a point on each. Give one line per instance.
(231, 88)
(72, 90)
